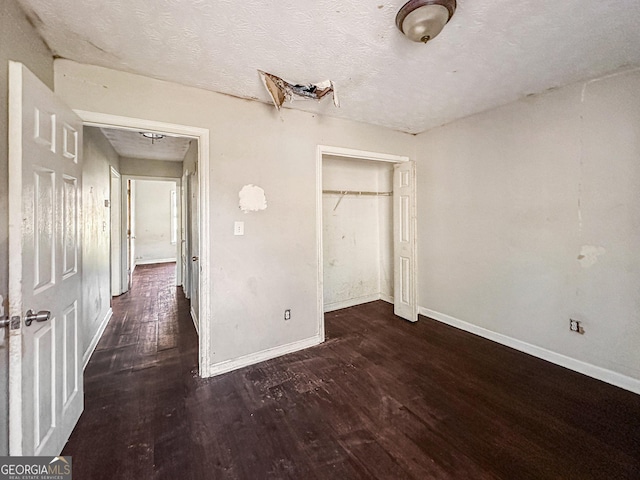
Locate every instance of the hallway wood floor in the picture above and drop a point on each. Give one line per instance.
(380, 399)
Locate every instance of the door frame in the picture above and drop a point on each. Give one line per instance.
(355, 154)
(104, 120)
(178, 182)
(115, 214)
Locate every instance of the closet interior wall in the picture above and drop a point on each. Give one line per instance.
(357, 214)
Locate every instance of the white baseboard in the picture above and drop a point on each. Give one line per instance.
(599, 373)
(268, 354)
(196, 320)
(96, 338)
(155, 260)
(330, 307)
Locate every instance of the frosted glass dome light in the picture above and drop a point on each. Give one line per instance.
(423, 20)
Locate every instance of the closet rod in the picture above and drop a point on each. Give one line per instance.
(354, 192)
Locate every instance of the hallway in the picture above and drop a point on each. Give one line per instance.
(381, 398)
(138, 383)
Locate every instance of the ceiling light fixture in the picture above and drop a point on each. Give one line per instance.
(153, 136)
(423, 20)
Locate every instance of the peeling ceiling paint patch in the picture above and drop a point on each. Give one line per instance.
(589, 255)
(252, 199)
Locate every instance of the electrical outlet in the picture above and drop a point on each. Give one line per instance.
(574, 326)
(287, 314)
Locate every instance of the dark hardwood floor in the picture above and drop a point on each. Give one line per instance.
(380, 399)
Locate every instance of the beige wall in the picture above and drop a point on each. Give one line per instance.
(254, 277)
(529, 215)
(152, 204)
(508, 201)
(19, 42)
(99, 156)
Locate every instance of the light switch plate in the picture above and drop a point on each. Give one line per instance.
(238, 228)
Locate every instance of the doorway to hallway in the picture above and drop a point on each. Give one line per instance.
(197, 268)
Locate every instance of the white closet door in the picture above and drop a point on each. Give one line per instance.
(404, 241)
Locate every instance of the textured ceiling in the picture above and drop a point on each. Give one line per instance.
(133, 145)
(490, 53)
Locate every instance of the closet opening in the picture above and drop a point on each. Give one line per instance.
(357, 231)
(366, 231)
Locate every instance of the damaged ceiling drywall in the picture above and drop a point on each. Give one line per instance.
(490, 53)
(280, 90)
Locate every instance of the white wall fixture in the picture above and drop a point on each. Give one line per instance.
(423, 20)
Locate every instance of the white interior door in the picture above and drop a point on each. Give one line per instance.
(131, 232)
(186, 237)
(194, 192)
(116, 235)
(176, 228)
(404, 241)
(45, 192)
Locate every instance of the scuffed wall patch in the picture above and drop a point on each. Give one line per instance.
(252, 199)
(589, 255)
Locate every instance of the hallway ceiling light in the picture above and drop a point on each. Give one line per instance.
(153, 136)
(423, 20)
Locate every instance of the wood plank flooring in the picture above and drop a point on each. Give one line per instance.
(380, 399)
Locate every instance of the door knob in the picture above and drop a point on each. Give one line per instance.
(41, 316)
(194, 258)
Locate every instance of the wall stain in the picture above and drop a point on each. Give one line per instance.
(589, 254)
